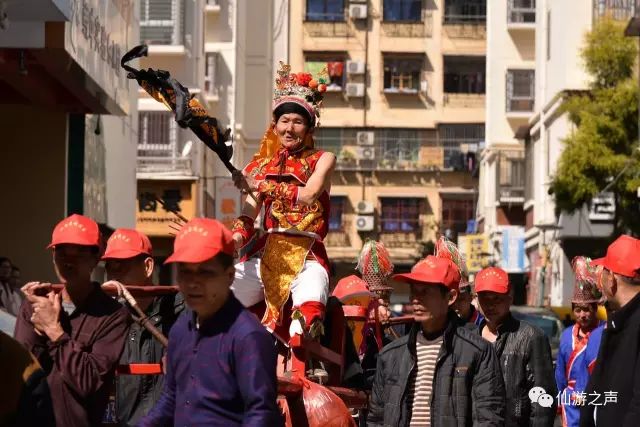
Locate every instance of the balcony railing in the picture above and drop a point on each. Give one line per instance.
(620, 10)
(511, 176)
(400, 154)
(164, 165)
(521, 12)
(327, 28)
(162, 22)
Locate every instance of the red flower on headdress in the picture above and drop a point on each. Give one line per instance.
(303, 79)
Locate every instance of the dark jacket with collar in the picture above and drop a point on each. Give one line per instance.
(136, 394)
(616, 375)
(525, 360)
(467, 385)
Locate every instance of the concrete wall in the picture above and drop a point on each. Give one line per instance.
(33, 173)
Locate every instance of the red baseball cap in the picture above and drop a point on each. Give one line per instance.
(126, 243)
(351, 286)
(432, 271)
(492, 279)
(75, 230)
(200, 240)
(623, 257)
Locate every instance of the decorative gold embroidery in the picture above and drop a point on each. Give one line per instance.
(283, 259)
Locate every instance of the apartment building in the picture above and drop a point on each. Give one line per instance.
(511, 77)
(404, 113)
(222, 51)
(552, 241)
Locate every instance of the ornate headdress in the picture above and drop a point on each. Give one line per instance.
(301, 89)
(585, 290)
(445, 248)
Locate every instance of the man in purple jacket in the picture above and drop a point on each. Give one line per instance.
(221, 362)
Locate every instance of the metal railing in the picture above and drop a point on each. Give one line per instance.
(408, 154)
(164, 165)
(162, 22)
(511, 175)
(521, 12)
(520, 90)
(327, 28)
(620, 10)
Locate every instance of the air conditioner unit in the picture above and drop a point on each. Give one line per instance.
(364, 223)
(355, 67)
(365, 138)
(366, 153)
(358, 11)
(355, 90)
(364, 207)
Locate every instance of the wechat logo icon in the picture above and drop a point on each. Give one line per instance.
(539, 395)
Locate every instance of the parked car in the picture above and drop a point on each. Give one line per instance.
(545, 319)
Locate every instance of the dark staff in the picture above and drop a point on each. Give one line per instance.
(114, 288)
(188, 111)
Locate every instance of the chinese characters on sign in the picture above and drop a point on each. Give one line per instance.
(474, 248)
(95, 33)
(158, 204)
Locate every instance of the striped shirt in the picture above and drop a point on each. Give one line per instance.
(421, 381)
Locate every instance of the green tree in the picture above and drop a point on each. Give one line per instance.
(602, 151)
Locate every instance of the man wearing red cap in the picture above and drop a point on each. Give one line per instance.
(221, 362)
(613, 392)
(78, 335)
(523, 349)
(128, 260)
(440, 373)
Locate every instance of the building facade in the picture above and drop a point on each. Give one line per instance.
(552, 241)
(222, 51)
(511, 71)
(69, 122)
(404, 114)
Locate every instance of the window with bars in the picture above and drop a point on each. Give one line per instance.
(453, 136)
(402, 10)
(161, 21)
(325, 10)
(521, 11)
(520, 90)
(336, 211)
(464, 74)
(400, 215)
(402, 74)
(456, 213)
(157, 131)
(465, 11)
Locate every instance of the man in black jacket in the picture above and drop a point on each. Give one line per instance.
(128, 259)
(441, 374)
(523, 349)
(613, 392)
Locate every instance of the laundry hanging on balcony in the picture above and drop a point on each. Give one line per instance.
(188, 111)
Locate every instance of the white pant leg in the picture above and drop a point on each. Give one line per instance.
(311, 284)
(247, 285)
